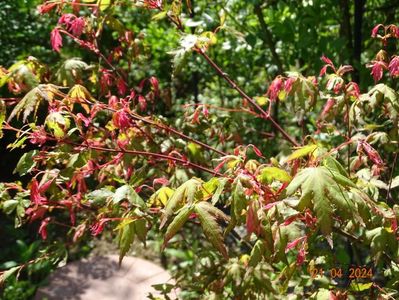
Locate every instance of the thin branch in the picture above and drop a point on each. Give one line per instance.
(263, 113)
(148, 154)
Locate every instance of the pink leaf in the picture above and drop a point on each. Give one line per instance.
(252, 221)
(205, 111)
(56, 39)
(121, 119)
(291, 219)
(77, 26)
(46, 7)
(155, 85)
(377, 69)
(327, 107)
(323, 70)
(394, 66)
(374, 32)
(294, 243)
(288, 84)
(300, 259)
(344, 69)
(270, 205)
(353, 89)
(394, 224)
(372, 154)
(142, 103)
(80, 230)
(275, 88)
(43, 228)
(153, 4)
(327, 60)
(161, 180)
(38, 136)
(122, 86)
(35, 196)
(256, 150)
(86, 121)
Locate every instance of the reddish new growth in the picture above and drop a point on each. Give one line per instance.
(394, 66)
(377, 69)
(38, 136)
(73, 24)
(56, 39)
(153, 4)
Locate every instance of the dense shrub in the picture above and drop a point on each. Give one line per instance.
(289, 193)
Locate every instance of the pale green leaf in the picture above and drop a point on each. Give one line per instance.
(211, 229)
(9, 206)
(216, 212)
(26, 163)
(140, 228)
(177, 223)
(322, 190)
(302, 151)
(125, 237)
(183, 194)
(257, 253)
(269, 174)
(8, 273)
(160, 197)
(360, 287)
(103, 4)
(219, 190)
(127, 192)
(99, 197)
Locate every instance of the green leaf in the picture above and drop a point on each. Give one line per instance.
(127, 192)
(239, 203)
(140, 228)
(382, 92)
(209, 187)
(8, 273)
(302, 151)
(125, 237)
(103, 4)
(159, 16)
(321, 189)
(269, 174)
(360, 287)
(71, 71)
(211, 228)
(216, 212)
(26, 163)
(177, 223)
(160, 197)
(99, 197)
(19, 143)
(257, 253)
(331, 163)
(58, 123)
(187, 43)
(28, 104)
(219, 190)
(9, 206)
(184, 194)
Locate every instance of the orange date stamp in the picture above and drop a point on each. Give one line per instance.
(354, 272)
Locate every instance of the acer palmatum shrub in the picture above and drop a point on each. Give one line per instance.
(315, 219)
